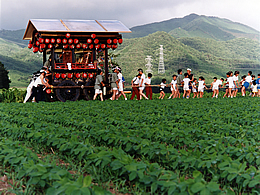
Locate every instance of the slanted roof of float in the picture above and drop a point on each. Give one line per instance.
(59, 26)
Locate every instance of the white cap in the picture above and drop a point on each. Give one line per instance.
(189, 69)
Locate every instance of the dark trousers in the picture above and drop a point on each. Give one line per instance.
(135, 92)
(149, 92)
(38, 94)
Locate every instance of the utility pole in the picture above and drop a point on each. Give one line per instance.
(161, 69)
(149, 66)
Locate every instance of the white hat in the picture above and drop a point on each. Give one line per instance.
(189, 69)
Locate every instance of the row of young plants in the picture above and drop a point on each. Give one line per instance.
(169, 136)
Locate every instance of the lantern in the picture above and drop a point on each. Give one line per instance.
(85, 75)
(70, 75)
(78, 46)
(65, 46)
(114, 46)
(93, 36)
(50, 46)
(84, 46)
(96, 41)
(41, 40)
(68, 35)
(91, 46)
(76, 41)
(78, 75)
(89, 41)
(97, 46)
(37, 43)
(109, 41)
(47, 41)
(64, 41)
(48, 91)
(70, 41)
(90, 75)
(57, 75)
(72, 46)
(120, 41)
(52, 40)
(63, 75)
(103, 46)
(58, 41)
(30, 45)
(115, 41)
(35, 49)
(42, 46)
(108, 46)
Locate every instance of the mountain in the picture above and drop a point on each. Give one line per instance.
(195, 25)
(206, 57)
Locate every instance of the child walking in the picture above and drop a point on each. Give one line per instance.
(254, 89)
(186, 89)
(98, 83)
(148, 88)
(162, 87)
(135, 86)
(201, 86)
(173, 87)
(194, 88)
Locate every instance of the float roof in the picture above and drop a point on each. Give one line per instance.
(70, 26)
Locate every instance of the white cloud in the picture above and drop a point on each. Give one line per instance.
(16, 13)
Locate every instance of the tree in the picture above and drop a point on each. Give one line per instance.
(4, 79)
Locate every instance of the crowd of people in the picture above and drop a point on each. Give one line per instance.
(190, 85)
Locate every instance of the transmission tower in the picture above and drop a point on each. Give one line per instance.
(161, 69)
(149, 66)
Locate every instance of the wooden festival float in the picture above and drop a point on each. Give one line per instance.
(77, 48)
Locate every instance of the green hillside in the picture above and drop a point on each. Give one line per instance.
(197, 26)
(197, 54)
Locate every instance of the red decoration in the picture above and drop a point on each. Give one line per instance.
(115, 41)
(53, 40)
(68, 35)
(47, 41)
(93, 36)
(85, 75)
(90, 75)
(37, 43)
(42, 46)
(89, 41)
(58, 41)
(91, 46)
(30, 45)
(70, 75)
(48, 91)
(109, 41)
(78, 75)
(114, 46)
(84, 46)
(96, 41)
(41, 40)
(120, 41)
(103, 46)
(78, 46)
(35, 49)
(50, 46)
(72, 46)
(97, 46)
(57, 75)
(65, 46)
(64, 41)
(70, 41)
(109, 46)
(76, 41)
(63, 75)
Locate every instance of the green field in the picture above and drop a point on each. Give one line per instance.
(196, 146)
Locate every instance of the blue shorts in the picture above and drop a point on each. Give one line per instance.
(246, 85)
(190, 87)
(258, 87)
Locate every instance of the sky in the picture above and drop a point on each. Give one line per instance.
(14, 14)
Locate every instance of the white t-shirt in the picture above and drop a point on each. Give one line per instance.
(173, 83)
(235, 78)
(219, 82)
(201, 84)
(136, 81)
(186, 82)
(162, 85)
(230, 82)
(248, 79)
(120, 78)
(142, 77)
(215, 85)
(148, 81)
(37, 82)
